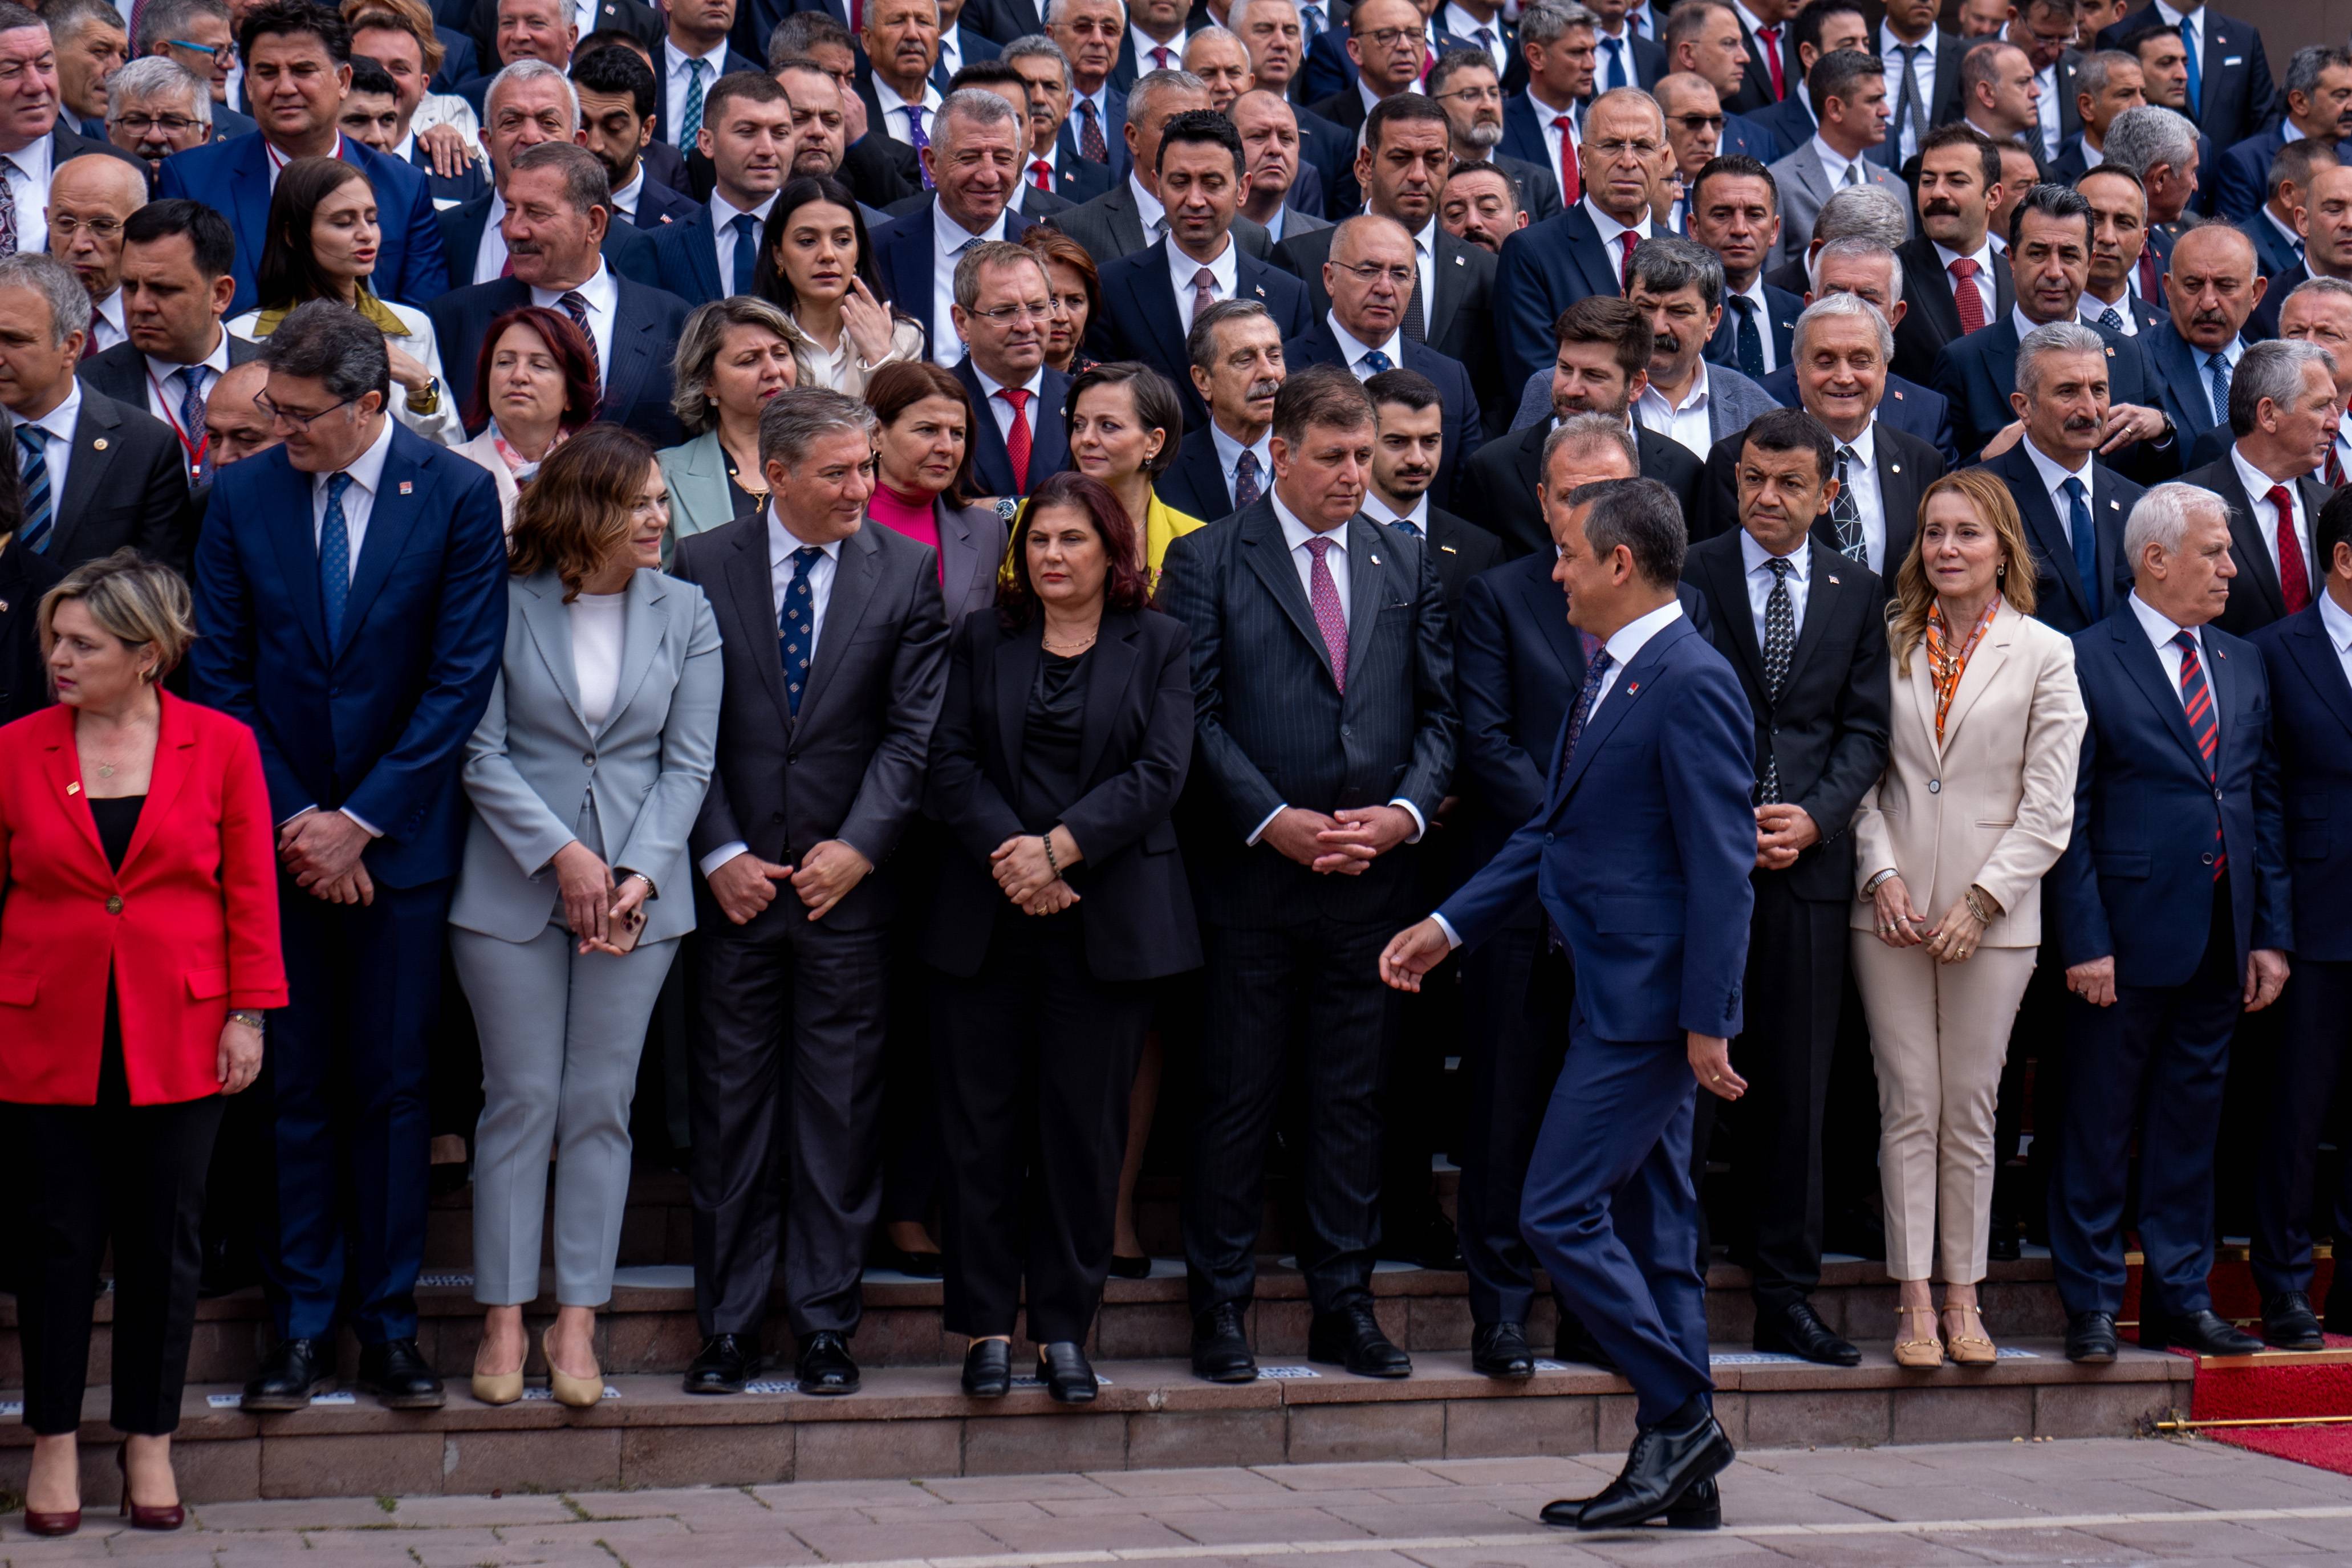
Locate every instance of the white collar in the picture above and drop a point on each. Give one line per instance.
(1546, 113)
(2020, 323)
(1800, 560)
(2338, 624)
(626, 197)
(1752, 22)
(1609, 228)
(887, 96)
(1470, 25)
(59, 421)
(724, 212)
(675, 58)
(1981, 255)
(1418, 516)
(1230, 449)
(1891, 45)
(405, 148)
(782, 541)
(2174, 15)
(2292, 237)
(1147, 208)
(2258, 484)
(1354, 348)
(599, 290)
(217, 361)
(990, 386)
(1145, 43)
(33, 160)
(1294, 531)
(2229, 355)
(1834, 163)
(1628, 640)
(1225, 268)
(948, 236)
(2160, 627)
(1695, 397)
(1865, 447)
(366, 470)
(110, 310)
(2053, 472)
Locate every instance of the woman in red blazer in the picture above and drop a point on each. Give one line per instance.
(138, 945)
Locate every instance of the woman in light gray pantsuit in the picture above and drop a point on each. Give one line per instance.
(586, 774)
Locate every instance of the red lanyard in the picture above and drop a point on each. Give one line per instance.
(195, 454)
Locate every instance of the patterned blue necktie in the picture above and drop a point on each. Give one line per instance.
(33, 477)
(2218, 369)
(1586, 700)
(1749, 338)
(1246, 488)
(796, 625)
(2085, 541)
(192, 417)
(1376, 362)
(1407, 527)
(747, 249)
(335, 559)
(690, 122)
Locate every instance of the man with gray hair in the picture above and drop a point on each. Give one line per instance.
(2319, 108)
(92, 44)
(1002, 295)
(975, 157)
(91, 470)
(362, 689)
(2283, 409)
(1852, 212)
(1869, 270)
(823, 739)
(154, 108)
(2317, 310)
(1235, 353)
(1053, 162)
(2172, 911)
(2160, 149)
(1093, 34)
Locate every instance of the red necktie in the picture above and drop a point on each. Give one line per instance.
(1571, 185)
(2335, 469)
(2151, 287)
(1626, 268)
(1041, 174)
(2294, 582)
(1016, 440)
(1159, 57)
(1965, 295)
(1770, 38)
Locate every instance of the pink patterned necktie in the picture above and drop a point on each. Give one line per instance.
(1323, 593)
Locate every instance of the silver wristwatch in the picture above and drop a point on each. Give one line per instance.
(251, 1017)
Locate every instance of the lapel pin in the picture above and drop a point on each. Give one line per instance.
(1898, 394)
(1833, 579)
(1261, 291)
(1461, 261)
(1449, 550)
(1892, 469)
(1376, 559)
(407, 488)
(1631, 686)
(73, 789)
(99, 444)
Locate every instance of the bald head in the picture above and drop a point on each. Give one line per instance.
(233, 422)
(90, 198)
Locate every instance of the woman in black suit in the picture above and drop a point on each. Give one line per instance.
(1061, 751)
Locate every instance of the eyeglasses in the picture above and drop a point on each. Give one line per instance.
(101, 228)
(1696, 123)
(298, 423)
(170, 124)
(1006, 315)
(1372, 272)
(221, 53)
(1389, 37)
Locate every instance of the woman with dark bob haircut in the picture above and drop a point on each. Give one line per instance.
(1125, 425)
(534, 385)
(923, 479)
(1076, 289)
(817, 266)
(1061, 750)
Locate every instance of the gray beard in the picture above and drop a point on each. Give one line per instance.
(1484, 137)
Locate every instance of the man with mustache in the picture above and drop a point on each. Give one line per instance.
(1956, 284)
(1408, 454)
(1235, 349)
(2212, 287)
(902, 45)
(1679, 284)
(1481, 205)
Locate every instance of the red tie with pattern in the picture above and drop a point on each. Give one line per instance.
(1017, 440)
(1323, 594)
(1770, 38)
(1965, 295)
(2295, 578)
(2198, 699)
(1571, 184)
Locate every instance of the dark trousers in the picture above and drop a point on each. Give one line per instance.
(1309, 998)
(911, 1122)
(2154, 1064)
(789, 1019)
(2316, 1034)
(85, 1174)
(347, 1072)
(1516, 993)
(2039, 1035)
(1611, 1214)
(1034, 1059)
(1796, 980)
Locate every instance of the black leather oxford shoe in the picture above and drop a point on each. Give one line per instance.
(1797, 1329)
(826, 1365)
(988, 1369)
(289, 1375)
(1068, 1377)
(2205, 1333)
(1500, 1349)
(1701, 1507)
(2290, 1324)
(1351, 1338)
(2090, 1338)
(724, 1365)
(1665, 1465)
(1220, 1351)
(400, 1377)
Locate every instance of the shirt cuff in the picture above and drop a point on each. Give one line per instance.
(1452, 937)
(721, 856)
(1259, 831)
(1420, 822)
(364, 826)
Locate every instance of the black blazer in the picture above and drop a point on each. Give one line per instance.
(647, 322)
(1135, 748)
(2234, 72)
(127, 484)
(1933, 318)
(1463, 432)
(1195, 484)
(2255, 598)
(1273, 728)
(850, 766)
(1461, 550)
(1828, 730)
(627, 250)
(1139, 317)
(1498, 487)
(2059, 600)
(1461, 317)
(24, 673)
(1904, 464)
(120, 372)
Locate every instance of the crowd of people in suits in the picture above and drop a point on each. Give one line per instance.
(850, 592)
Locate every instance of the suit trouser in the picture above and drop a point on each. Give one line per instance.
(2316, 1033)
(1308, 995)
(562, 1033)
(910, 1118)
(83, 1175)
(1938, 1033)
(1611, 1214)
(347, 1073)
(789, 1019)
(1034, 1057)
(1516, 998)
(2154, 1063)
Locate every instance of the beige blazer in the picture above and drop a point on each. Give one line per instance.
(1994, 804)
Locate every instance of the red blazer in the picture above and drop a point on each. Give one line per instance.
(189, 925)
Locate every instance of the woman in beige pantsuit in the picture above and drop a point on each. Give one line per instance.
(1951, 845)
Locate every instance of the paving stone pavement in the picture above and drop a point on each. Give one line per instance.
(2043, 1503)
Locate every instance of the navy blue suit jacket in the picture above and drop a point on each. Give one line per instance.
(646, 326)
(2235, 74)
(2183, 393)
(2136, 879)
(459, 188)
(1545, 269)
(1905, 406)
(903, 254)
(2059, 601)
(1049, 433)
(1078, 179)
(658, 206)
(1138, 319)
(686, 258)
(2273, 252)
(1789, 123)
(1195, 484)
(1462, 434)
(1978, 372)
(1781, 310)
(627, 250)
(2311, 724)
(234, 177)
(2241, 177)
(1113, 132)
(1641, 848)
(377, 723)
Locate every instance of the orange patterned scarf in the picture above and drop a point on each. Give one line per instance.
(1944, 667)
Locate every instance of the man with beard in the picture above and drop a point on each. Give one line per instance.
(1464, 84)
(1235, 349)
(1408, 454)
(1481, 205)
(1272, 168)
(1679, 284)
(1735, 212)
(2212, 288)
(617, 92)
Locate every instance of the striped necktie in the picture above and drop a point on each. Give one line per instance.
(2204, 725)
(33, 477)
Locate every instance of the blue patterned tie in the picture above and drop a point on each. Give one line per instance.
(796, 625)
(335, 559)
(918, 140)
(1749, 338)
(690, 123)
(1376, 362)
(2085, 542)
(747, 249)
(192, 417)
(1586, 700)
(1407, 527)
(2218, 369)
(33, 476)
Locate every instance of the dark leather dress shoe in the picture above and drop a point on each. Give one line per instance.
(988, 1369)
(2090, 1338)
(1351, 1338)
(826, 1365)
(724, 1365)
(1500, 1349)
(1795, 1329)
(289, 1375)
(400, 1377)
(1425, 1241)
(1701, 1507)
(2204, 1332)
(1573, 1341)
(1068, 1377)
(1129, 1268)
(1664, 1467)
(2290, 1324)
(1220, 1351)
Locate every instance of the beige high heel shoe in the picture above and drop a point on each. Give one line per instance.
(1919, 1354)
(500, 1387)
(1969, 1349)
(578, 1393)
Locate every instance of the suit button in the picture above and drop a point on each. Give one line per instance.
(587, 759)
(114, 905)
(1547, 837)
(1345, 732)
(2218, 795)
(2207, 858)
(1935, 786)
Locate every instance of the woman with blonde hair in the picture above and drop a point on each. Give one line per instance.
(1977, 802)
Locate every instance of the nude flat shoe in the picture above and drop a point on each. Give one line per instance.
(1969, 1349)
(1919, 1354)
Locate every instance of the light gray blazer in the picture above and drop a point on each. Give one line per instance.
(698, 499)
(1804, 186)
(971, 554)
(533, 758)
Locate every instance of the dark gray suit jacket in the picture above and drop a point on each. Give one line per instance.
(850, 765)
(127, 484)
(120, 372)
(1275, 729)
(1461, 319)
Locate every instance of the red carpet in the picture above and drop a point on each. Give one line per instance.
(2284, 1389)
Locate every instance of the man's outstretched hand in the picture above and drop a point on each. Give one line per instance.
(1414, 952)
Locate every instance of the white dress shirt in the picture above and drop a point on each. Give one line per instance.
(2093, 310)
(1923, 86)
(1862, 475)
(2192, 32)
(625, 197)
(1459, 22)
(1224, 271)
(2160, 631)
(1112, 134)
(2053, 479)
(56, 444)
(106, 323)
(1612, 54)
(950, 58)
(1149, 208)
(782, 569)
(598, 626)
(1003, 408)
(2343, 446)
(1759, 563)
(2231, 355)
(366, 473)
(948, 239)
(894, 122)
(1145, 43)
(723, 214)
(2338, 628)
(1754, 295)
(167, 387)
(2048, 106)
(602, 298)
(1424, 260)
(1749, 24)
(1355, 348)
(1611, 228)
(1686, 421)
(1552, 134)
(1417, 515)
(29, 171)
(1834, 163)
(490, 255)
(1229, 456)
(677, 68)
(1372, 99)
(2266, 515)
(1984, 280)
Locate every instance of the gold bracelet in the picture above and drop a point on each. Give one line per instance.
(1976, 906)
(427, 401)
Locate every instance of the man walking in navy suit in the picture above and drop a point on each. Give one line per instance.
(351, 589)
(1641, 853)
(2173, 918)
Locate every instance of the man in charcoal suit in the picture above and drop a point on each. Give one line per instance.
(2283, 409)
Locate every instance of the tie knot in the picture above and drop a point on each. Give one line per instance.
(1318, 547)
(336, 485)
(1562, 123)
(1204, 279)
(2279, 498)
(1770, 34)
(2112, 319)
(1086, 108)
(1015, 396)
(697, 66)
(2186, 643)
(1378, 362)
(744, 224)
(1964, 268)
(1741, 303)
(807, 556)
(31, 435)
(1406, 526)
(573, 300)
(1778, 566)
(194, 376)
(2074, 489)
